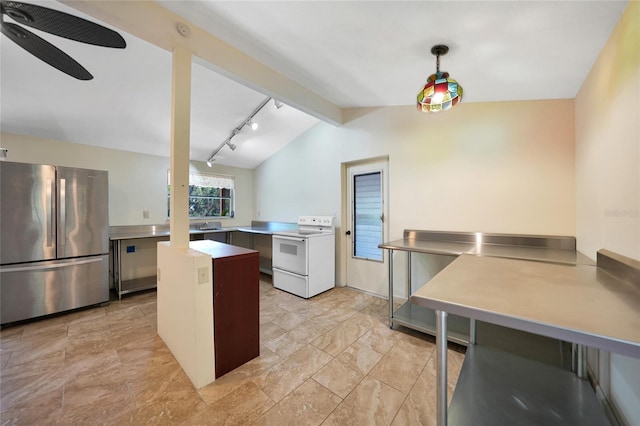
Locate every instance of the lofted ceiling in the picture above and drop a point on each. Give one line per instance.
(349, 53)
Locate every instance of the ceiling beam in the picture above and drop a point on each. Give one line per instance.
(153, 23)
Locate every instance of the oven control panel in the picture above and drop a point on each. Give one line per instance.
(320, 221)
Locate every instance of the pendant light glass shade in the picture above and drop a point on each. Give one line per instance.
(441, 91)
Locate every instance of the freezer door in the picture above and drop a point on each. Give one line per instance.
(35, 289)
(83, 212)
(27, 212)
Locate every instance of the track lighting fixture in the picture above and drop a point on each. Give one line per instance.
(278, 104)
(248, 122)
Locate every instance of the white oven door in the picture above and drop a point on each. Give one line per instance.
(290, 254)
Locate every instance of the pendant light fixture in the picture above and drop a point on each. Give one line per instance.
(441, 92)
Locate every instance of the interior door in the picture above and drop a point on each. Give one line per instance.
(367, 227)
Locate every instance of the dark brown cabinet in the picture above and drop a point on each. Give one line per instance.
(236, 296)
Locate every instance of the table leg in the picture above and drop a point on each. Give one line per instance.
(390, 288)
(472, 332)
(441, 368)
(581, 358)
(409, 275)
(119, 262)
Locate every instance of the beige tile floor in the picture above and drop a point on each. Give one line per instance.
(330, 360)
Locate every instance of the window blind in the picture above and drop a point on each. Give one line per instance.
(367, 190)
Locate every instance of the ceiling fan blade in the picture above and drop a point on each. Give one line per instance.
(45, 51)
(62, 24)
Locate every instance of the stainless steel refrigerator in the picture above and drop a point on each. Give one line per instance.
(54, 241)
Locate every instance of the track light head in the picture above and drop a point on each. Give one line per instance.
(278, 104)
(232, 146)
(253, 124)
(210, 162)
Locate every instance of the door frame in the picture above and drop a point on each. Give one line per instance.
(345, 221)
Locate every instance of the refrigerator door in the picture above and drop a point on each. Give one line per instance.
(83, 212)
(34, 289)
(27, 212)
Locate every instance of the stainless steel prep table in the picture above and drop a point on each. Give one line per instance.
(556, 249)
(579, 303)
(118, 234)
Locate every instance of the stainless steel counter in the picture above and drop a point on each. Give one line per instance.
(544, 248)
(576, 303)
(267, 228)
(556, 249)
(154, 231)
(213, 230)
(591, 305)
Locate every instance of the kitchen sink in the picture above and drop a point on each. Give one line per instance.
(209, 226)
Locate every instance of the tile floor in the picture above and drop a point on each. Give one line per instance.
(330, 360)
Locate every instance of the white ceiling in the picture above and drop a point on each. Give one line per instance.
(351, 53)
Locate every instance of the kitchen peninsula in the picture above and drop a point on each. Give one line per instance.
(208, 307)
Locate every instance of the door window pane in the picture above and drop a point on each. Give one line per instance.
(367, 216)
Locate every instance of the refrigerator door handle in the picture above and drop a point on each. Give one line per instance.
(49, 215)
(56, 265)
(62, 222)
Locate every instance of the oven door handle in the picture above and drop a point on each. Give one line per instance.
(282, 237)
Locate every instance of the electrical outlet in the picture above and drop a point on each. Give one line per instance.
(203, 275)
(145, 214)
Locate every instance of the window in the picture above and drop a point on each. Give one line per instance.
(367, 218)
(209, 195)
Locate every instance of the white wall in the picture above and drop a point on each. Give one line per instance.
(137, 182)
(607, 111)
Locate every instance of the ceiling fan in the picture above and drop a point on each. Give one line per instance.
(57, 23)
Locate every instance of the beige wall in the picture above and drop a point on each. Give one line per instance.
(491, 167)
(607, 111)
(137, 182)
(608, 145)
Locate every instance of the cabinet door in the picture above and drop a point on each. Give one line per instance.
(236, 311)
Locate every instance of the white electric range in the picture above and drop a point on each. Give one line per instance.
(303, 261)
